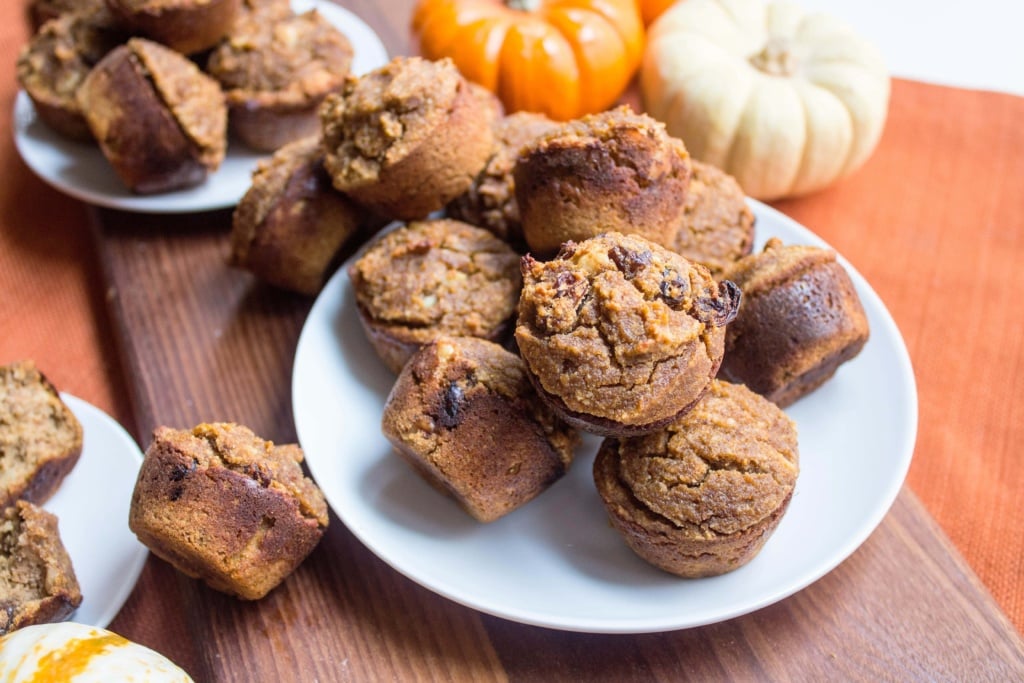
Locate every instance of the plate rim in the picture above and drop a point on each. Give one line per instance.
(624, 625)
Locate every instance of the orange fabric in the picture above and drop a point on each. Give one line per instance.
(933, 221)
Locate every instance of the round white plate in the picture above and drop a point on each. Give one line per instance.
(556, 562)
(92, 514)
(80, 170)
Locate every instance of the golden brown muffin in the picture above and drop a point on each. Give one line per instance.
(41, 11)
(56, 60)
(407, 138)
(433, 278)
(40, 438)
(614, 171)
(701, 496)
(186, 26)
(467, 419)
(718, 226)
(37, 582)
(490, 202)
(275, 75)
(291, 224)
(223, 505)
(799, 321)
(160, 121)
(620, 335)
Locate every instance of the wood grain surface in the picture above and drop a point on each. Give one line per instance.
(201, 341)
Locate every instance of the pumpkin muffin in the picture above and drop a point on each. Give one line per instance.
(186, 26)
(275, 75)
(490, 202)
(57, 59)
(407, 138)
(619, 335)
(291, 224)
(224, 506)
(37, 582)
(160, 121)
(614, 171)
(701, 496)
(717, 227)
(40, 438)
(42, 11)
(467, 419)
(799, 321)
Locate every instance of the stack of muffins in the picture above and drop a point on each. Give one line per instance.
(159, 84)
(542, 279)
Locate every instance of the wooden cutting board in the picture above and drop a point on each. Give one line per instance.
(201, 341)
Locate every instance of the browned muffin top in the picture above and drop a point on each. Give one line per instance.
(378, 118)
(296, 57)
(723, 467)
(439, 276)
(775, 264)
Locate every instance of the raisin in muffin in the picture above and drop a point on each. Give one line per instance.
(467, 419)
(490, 202)
(433, 278)
(701, 496)
(160, 121)
(37, 582)
(291, 225)
(717, 228)
(223, 505)
(614, 171)
(56, 61)
(275, 75)
(40, 438)
(619, 335)
(407, 138)
(186, 26)
(799, 321)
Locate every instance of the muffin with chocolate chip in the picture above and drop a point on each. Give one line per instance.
(614, 171)
(407, 138)
(619, 335)
(433, 278)
(701, 496)
(467, 419)
(800, 319)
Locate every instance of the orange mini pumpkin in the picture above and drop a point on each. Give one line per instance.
(652, 9)
(564, 58)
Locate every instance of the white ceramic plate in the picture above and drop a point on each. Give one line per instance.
(556, 562)
(81, 171)
(92, 512)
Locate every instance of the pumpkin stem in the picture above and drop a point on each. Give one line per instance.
(776, 58)
(523, 5)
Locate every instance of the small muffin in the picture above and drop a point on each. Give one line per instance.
(614, 171)
(37, 581)
(490, 202)
(799, 321)
(619, 335)
(275, 75)
(718, 226)
(41, 11)
(291, 225)
(701, 496)
(56, 60)
(407, 138)
(223, 505)
(40, 438)
(434, 278)
(160, 121)
(186, 26)
(467, 419)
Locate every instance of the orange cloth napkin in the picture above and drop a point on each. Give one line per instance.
(933, 221)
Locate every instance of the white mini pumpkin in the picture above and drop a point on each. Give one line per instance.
(75, 653)
(786, 101)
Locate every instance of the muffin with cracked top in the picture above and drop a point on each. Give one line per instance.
(619, 335)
